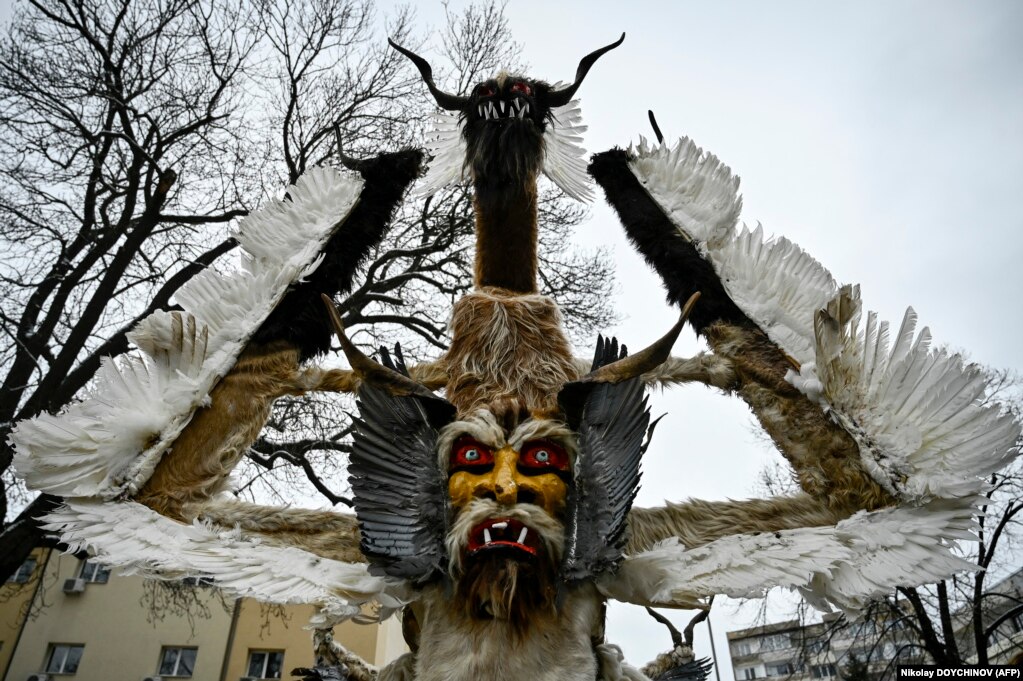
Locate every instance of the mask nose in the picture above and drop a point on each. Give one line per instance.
(506, 485)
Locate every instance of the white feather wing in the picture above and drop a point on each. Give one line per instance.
(446, 147)
(844, 565)
(921, 417)
(109, 444)
(773, 281)
(564, 154)
(137, 539)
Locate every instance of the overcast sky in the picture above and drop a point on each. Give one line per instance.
(886, 138)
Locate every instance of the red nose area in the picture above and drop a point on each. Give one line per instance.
(503, 533)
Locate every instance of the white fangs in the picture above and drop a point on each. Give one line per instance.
(522, 536)
(486, 536)
(500, 526)
(489, 110)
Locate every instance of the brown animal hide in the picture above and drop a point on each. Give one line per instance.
(698, 522)
(825, 458)
(506, 240)
(507, 346)
(218, 435)
(324, 533)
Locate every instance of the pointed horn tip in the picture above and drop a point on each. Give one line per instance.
(687, 309)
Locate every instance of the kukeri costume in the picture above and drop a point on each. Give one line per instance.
(498, 517)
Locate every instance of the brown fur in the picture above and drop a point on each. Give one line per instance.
(506, 240)
(323, 533)
(507, 346)
(495, 586)
(202, 457)
(697, 522)
(825, 458)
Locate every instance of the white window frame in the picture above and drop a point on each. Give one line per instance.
(94, 573)
(823, 671)
(779, 669)
(748, 673)
(266, 663)
(176, 652)
(59, 653)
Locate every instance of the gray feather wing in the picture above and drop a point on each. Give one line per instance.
(399, 491)
(614, 420)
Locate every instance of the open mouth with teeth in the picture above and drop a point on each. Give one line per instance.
(503, 534)
(500, 109)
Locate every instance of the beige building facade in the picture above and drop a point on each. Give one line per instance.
(66, 619)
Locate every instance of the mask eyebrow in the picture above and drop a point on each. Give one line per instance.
(544, 429)
(481, 426)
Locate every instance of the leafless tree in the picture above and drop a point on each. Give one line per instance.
(134, 135)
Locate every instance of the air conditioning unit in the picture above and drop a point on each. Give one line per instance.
(73, 586)
(39, 677)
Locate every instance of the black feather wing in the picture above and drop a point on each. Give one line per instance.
(614, 420)
(399, 492)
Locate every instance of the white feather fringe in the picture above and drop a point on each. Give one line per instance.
(108, 444)
(846, 565)
(141, 541)
(920, 416)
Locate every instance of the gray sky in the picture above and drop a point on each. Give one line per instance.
(886, 138)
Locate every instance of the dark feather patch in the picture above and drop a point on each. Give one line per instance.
(611, 432)
(681, 267)
(299, 317)
(399, 491)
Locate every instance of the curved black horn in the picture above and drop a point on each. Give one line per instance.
(563, 97)
(444, 99)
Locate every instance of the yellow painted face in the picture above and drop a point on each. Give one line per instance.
(535, 474)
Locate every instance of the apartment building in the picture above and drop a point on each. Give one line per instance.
(824, 650)
(831, 649)
(66, 619)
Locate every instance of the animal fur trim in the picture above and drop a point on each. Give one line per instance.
(507, 346)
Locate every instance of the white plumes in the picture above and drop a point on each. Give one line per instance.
(139, 540)
(108, 444)
(920, 416)
(773, 281)
(846, 565)
(564, 156)
(446, 147)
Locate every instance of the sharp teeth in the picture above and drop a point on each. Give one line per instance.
(522, 535)
(526, 107)
(480, 108)
(493, 111)
(499, 526)
(502, 105)
(486, 536)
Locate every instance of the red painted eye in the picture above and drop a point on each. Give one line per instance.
(521, 89)
(485, 91)
(543, 454)
(470, 453)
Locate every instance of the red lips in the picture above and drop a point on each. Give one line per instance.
(503, 533)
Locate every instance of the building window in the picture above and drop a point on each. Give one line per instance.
(818, 646)
(823, 671)
(64, 659)
(779, 669)
(748, 673)
(24, 572)
(776, 642)
(94, 572)
(265, 664)
(177, 661)
(743, 648)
